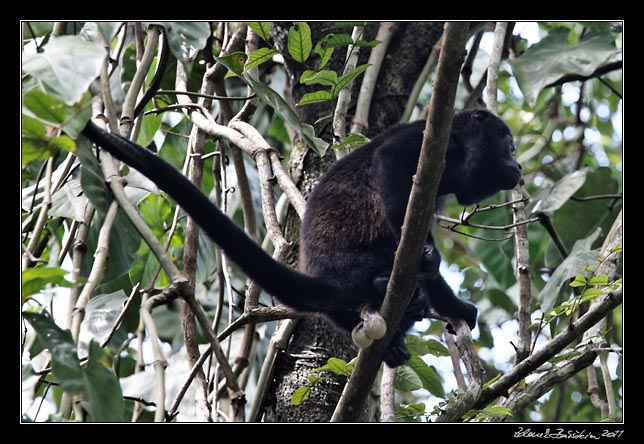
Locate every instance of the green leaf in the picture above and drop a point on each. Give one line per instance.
(616, 248)
(498, 411)
(65, 364)
(428, 375)
(185, 37)
(324, 77)
(561, 192)
(407, 380)
(333, 40)
(68, 65)
(45, 107)
(259, 56)
(234, 62)
(299, 41)
(279, 105)
(598, 280)
(37, 278)
(491, 381)
(325, 54)
(367, 43)
(35, 144)
(315, 97)
(300, 395)
(92, 179)
(104, 400)
(419, 346)
(351, 142)
(314, 379)
(262, 29)
(150, 124)
(580, 256)
(348, 78)
(552, 58)
(591, 293)
(577, 219)
(580, 281)
(336, 366)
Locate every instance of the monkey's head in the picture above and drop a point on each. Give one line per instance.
(480, 157)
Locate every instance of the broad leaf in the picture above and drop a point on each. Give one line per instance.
(279, 105)
(333, 40)
(580, 257)
(419, 346)
(348, 78)
(92, 179)
(234, 62)
(37, 278)
(259, 56)
(552, 58)
(429, 377)
(65, 364)
(563, 190)
(497, 411)
(300, 395)
(336, 366)
(299, 41)
(407, 380)
(262, 29)
(185, 38)
(315, 97)
(351, 142)
(68, 65)
(104, 400)
(325, 54)
(324, 77)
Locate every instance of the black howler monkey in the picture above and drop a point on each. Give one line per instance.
(353, 220)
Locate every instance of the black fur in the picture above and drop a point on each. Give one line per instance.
(353, 220)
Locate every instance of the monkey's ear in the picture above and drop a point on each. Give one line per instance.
(480, 114)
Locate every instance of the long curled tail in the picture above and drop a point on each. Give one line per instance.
(299, 291)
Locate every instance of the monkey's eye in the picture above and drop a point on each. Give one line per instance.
(513, 146)
(480, 115)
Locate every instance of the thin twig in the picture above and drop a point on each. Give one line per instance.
(344, 97)
(420, 82)
(207, 96)
(360, 120)
(127, 115)
(42, 216)
(493, 67)
(117, 322)
(387, 392)
(279, 342)
(456, 363)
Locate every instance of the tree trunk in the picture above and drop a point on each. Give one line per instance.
(314, 341)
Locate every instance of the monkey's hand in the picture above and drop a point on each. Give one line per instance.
(429, 263)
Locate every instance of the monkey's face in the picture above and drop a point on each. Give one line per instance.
(480, 158)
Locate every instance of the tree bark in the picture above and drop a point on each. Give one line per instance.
(314, 340)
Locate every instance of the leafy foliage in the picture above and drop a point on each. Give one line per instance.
(569, 139)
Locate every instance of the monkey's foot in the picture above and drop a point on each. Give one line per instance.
(371, 327)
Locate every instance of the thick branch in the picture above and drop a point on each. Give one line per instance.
(554, 346)
(416, 225)
(520, 399)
